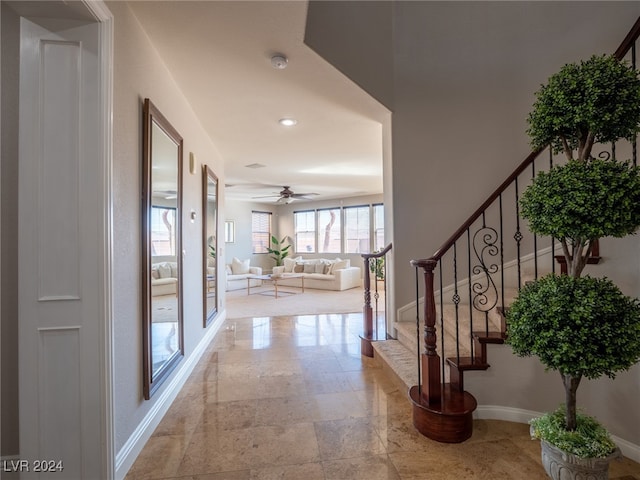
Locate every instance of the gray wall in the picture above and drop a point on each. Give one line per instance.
(464, 75)
(138, 73)
(9, 436)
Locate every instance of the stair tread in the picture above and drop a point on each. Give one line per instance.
(399, 359)
(490, 337)
(467, 363)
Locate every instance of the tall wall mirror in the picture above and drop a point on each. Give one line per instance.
(161, 248)
(210, 242)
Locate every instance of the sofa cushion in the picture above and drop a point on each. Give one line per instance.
(309, 268)
(164, 269)
(239, 267)
(339, 265)
(227, 270)
(289, 263)
(320, 267)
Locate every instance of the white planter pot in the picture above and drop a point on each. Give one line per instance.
(560, 465)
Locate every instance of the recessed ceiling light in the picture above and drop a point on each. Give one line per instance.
(288, 122)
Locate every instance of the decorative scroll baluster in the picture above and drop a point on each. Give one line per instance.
(456, 298)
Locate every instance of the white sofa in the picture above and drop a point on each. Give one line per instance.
(237, 272)
(319, 273)
(164, 278)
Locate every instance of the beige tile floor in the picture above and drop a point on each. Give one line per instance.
(289, 398)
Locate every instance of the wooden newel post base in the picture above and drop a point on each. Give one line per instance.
(366, 347)
(431, 384)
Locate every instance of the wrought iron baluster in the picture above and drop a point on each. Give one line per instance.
(441, 321)
(535, 237)
(456, 298)
(518, 236)
(553, 240)
(469, 288)
(418, 330)
(501, 252)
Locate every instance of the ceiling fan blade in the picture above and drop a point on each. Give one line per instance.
(303, 195)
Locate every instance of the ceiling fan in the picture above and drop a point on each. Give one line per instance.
(287, 195)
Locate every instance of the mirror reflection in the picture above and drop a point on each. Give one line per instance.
(210, 234)
(161, 248)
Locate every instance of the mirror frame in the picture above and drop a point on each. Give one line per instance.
(151, 116)
(207, 175)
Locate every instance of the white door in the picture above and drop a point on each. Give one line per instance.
(61, 250)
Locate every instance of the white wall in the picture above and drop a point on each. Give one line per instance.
(464, 75)
(140, 73)
(240, 213)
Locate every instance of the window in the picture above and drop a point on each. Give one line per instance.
(305, 231)
(329, 231)
(356, 230)
(378, 227)
(163, 231)
(260, 231)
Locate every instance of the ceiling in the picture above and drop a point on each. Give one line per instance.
(219, 53)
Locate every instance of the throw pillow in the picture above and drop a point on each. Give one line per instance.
(165, 270)
(309, 268)
(320, 266)
(239, 267)
(339, 265)
(298, 268)
(227, 269)
(289, 263)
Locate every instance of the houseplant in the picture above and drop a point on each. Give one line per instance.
(279, 251)
(580, 326)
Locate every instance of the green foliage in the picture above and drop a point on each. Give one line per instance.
(376, 266)
(584, 200)
(600, 95)
(578, 326)
(212, 251)
(588, 440)
(279, 251)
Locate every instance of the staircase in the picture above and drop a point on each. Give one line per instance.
(466, 286)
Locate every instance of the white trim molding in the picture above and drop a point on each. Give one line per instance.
(518, 415)
(136, 442)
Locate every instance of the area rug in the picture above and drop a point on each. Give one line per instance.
(240, 305)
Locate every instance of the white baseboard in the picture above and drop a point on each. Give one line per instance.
(497, 412)
(136, 442)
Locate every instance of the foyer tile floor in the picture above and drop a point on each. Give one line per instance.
(289, 398)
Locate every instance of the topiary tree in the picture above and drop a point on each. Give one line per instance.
(581, 327)
(594, 101)
(580, 202)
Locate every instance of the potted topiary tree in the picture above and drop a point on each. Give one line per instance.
(580, 326)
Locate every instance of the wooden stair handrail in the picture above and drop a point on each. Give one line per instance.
(620, 53)
(503, 186)
(381, 253)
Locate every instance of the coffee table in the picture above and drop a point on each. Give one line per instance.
(274, 281)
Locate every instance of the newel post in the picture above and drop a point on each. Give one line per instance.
(430, 360)
(366, 348)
